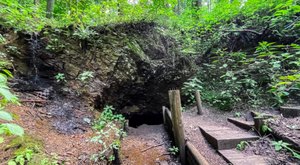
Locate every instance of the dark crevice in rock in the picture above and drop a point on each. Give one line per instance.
(136, 120)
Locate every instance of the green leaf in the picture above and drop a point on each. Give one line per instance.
(1, 140)
(7, 72)
(5, 116)
(278, 147)
(11, 162)
(296, 155)
(20, 159)
(14, 129)
(8, 96)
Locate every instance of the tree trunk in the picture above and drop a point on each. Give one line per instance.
(198, 3)
(209, 5)
(36, 2)
(50, 7)
(178, 7)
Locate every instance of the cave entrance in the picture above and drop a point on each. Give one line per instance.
(135, 120)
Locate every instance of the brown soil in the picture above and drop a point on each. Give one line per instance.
(288, 128)
(145, 145)
(265, 148)
(71, 149)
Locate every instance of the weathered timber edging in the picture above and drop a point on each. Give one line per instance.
(276, 133)
(290, 111)
(236, 157)
(191, 155)
(248, 125)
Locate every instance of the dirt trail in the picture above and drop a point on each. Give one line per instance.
(146, 145)
(72, 149)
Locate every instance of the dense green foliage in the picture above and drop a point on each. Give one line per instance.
(247, 54)
(32, 17)
(247, 51)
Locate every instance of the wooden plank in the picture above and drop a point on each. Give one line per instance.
(226, 138)
(239, 158)
(168, 120)
(280, 135)
(213, 127)
(178, 131)
(168, 112)
(199, 103)
(193, 155)
(241, 123)
(164, 115)
(290, 111)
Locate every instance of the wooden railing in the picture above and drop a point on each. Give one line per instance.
(188, 153)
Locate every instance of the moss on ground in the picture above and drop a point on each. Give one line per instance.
(20, 145)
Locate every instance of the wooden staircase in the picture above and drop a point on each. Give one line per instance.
(225, 140)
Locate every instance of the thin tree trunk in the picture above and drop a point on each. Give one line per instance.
(178, 7)
(209, 5)
(50, 7)
(36, 2)
(198, 3)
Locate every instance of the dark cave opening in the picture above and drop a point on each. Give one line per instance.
(135, 120)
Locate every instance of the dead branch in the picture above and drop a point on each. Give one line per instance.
(164, 154)
(152, 147)
(246, 30)
(34, 100)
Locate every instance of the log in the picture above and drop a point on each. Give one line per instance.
(196, 156)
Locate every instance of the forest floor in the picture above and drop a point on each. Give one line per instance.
(60, 129)
(64, 138)
(66, 148)
(146, 145)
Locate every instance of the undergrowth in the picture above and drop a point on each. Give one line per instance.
(109, 131)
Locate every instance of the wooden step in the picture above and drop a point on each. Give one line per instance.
(225, 138)
(236, 157)
(290, 111)
(248, 125)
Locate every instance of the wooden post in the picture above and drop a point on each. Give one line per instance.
(175, 105)
(258, 123)
(199, 103)
(164, 115)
